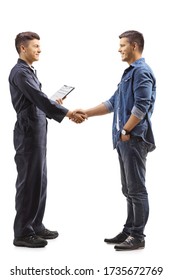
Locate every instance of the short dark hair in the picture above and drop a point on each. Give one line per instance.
(23, 38)
(134, 36)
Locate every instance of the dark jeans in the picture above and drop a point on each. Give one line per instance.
(132, 158)
(30, 135)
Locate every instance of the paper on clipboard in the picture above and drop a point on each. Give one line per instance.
(62, 92)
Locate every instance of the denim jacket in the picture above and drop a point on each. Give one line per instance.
(135, 95)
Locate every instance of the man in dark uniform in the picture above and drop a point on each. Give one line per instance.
(32, 107)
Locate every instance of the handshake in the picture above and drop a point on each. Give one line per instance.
(77, 116)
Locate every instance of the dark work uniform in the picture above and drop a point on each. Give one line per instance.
(30, 136)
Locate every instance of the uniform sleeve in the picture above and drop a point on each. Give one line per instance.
(30, 89)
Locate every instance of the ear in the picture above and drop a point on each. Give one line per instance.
(22, 48)
(135, 46)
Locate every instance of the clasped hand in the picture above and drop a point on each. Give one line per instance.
(78, 116)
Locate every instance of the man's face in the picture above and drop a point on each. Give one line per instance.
(127, 50)
(31, 51)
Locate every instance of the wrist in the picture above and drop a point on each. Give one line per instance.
(125, 131)
(69, 114)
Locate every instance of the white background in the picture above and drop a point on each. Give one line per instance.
(79, 41)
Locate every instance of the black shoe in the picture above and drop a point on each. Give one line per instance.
(47, 234)
(131, 243)
(32, 241)
(121, 237)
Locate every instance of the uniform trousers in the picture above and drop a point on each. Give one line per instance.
(30, 141)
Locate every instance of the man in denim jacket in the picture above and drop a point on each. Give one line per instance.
(132, 105)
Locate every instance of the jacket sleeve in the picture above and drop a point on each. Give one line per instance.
(143, 89)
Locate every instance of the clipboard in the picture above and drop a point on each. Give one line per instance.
(62, 92)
